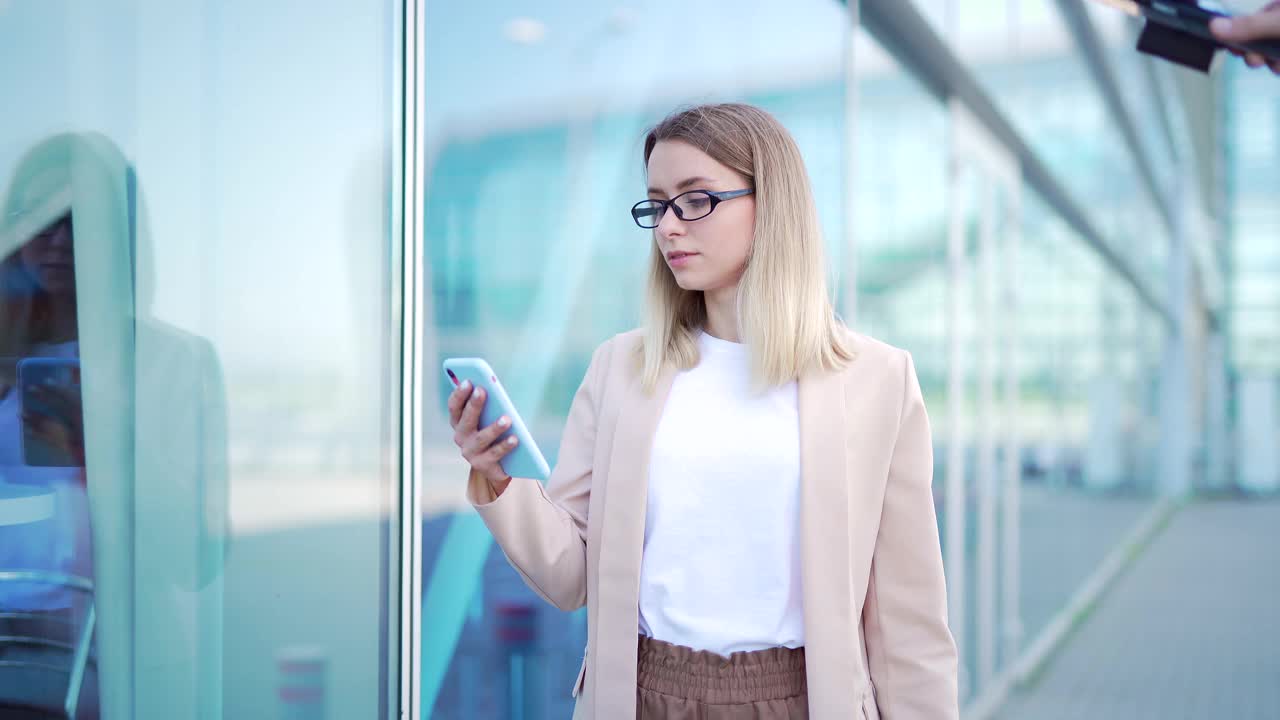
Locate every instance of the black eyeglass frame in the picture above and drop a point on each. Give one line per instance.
(664, 205)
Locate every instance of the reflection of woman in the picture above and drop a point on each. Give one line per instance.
(38, 320)
(742, 497)
(154, 438)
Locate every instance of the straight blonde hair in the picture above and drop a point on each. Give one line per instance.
(785, 313)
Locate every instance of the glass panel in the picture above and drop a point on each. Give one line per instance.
(1252, 155)
(533, 258)
(1088, 365)
(1041, 81)
(227, 170)
(901, 205)
(1085, 351)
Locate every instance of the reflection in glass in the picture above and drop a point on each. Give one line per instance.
(46, 559)
(231, 207)
(130, 446)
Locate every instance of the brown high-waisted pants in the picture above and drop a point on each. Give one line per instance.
(680, 683)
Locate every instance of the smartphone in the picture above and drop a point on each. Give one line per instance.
(525, 460)
(1178, 31)
(49, 392)
(1193, 18)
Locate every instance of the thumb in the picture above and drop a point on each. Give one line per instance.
(1263, 24)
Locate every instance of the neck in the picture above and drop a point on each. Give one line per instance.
(722, 315)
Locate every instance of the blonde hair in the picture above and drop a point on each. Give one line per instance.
(785, 313)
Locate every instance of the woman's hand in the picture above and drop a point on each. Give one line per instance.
(480, 447)
(1262, 25)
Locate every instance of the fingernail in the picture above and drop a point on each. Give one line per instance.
(1220, 25)
(511, 440)
(503, 421)
(466, 384)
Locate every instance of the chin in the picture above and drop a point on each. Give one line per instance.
(690, 284)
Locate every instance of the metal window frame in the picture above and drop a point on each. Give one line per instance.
(411, 202)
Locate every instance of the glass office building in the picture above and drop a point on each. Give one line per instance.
(240, 239)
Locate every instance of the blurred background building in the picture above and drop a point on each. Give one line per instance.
(1079, 245)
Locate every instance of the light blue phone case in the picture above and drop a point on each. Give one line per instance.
(525, 460)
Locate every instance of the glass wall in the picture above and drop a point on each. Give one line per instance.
(200, 388)
(1251, 140)
(199, 421)
(1037, 360)
(534, 260)
(1252, 144)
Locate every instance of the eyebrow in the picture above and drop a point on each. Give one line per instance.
(687, 182)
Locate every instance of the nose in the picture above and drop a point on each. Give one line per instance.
(670, 225)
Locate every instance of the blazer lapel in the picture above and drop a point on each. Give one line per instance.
(622, 547)
(826, 542)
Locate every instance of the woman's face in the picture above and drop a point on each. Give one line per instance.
(719, 242)
(49, 258)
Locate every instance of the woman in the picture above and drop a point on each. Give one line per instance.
(743, 493)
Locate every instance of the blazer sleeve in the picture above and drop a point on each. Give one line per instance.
(911, 653)
(543, 530)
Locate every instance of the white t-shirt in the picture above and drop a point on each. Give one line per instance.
(721, 565)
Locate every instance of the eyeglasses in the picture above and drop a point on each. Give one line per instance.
(692, 205)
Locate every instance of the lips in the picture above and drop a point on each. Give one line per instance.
(679, 254)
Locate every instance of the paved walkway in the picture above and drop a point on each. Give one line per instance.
(1190, 630)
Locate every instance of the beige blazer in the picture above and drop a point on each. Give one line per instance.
(875, 610)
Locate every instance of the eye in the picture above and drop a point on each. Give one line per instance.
(648, 208)
(694, 205)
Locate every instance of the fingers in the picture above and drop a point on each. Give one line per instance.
(482, 440)
(457, 399)
(484, 450)
(1254, 60)
(61, 401)
(470, 419)
(500, 450)
(1259, 25)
